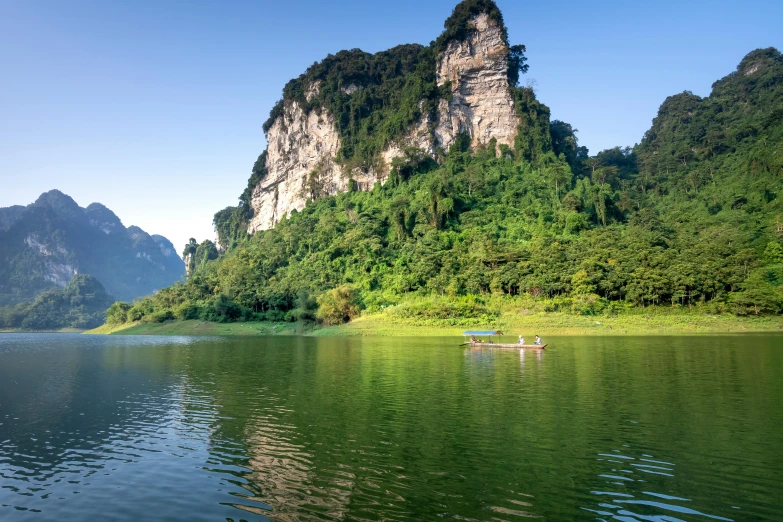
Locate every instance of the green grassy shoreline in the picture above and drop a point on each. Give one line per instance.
(543, 324)
(61, 330)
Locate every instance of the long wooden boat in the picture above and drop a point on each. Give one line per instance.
(509, 346)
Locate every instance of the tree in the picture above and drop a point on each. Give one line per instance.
(117, 313)
(338, 306)
(773, 254)
(516, 63)
(634, 225)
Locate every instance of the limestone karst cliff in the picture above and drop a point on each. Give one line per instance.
(465, 91)
(476, 70)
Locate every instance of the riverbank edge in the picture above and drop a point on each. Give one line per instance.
(61, 330)
(543, 324)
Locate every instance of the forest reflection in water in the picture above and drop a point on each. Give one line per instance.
(301, 428)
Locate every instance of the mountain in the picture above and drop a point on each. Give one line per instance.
(341, 125)
(393, 179)
(46, 243)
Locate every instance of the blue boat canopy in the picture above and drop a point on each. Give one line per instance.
(483, 332)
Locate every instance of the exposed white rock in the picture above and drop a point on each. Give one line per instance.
(148, 257)
(420, 137)
(59, 273)
(46, 250)
(302, 147)
(752, 69)
(189, 263)
(481, 104)
(350, 88)
(313, 91)
(107, 227)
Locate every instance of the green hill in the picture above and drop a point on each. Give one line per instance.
(690, 217)
(81, 304)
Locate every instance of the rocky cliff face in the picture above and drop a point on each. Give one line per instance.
(301, 164)
(301, 151)
(477, 71)
(303, 146)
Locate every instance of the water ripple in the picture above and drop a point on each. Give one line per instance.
(351, 429)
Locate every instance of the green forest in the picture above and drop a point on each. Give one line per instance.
(689, 218)
(81, 304)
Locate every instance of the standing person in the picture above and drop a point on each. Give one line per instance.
(538, 342)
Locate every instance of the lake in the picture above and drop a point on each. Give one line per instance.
(620, 428)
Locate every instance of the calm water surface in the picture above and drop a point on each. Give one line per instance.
(153, 428)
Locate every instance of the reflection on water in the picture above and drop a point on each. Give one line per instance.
(626, 490)
(133, 428)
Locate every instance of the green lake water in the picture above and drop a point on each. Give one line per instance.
(154, 428)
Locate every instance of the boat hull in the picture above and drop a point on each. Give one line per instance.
(509, 346)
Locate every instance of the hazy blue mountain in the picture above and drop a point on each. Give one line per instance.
(46, 243)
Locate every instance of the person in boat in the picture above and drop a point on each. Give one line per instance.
(538, 342)
(521, 340)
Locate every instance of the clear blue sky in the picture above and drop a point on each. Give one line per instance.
(154, 108)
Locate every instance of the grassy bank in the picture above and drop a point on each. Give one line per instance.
(205, 328)
(61, 330)
(566, 324)
(651, 322)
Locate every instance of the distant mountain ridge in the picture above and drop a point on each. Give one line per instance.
(44, 244)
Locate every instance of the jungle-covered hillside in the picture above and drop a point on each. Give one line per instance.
(689, 217)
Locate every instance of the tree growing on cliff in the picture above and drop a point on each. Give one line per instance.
(516, 64)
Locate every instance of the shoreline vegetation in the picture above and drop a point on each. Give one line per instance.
(21, 330)
(651, 321)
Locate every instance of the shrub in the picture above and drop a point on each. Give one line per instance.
(226, 310)
(306, 307)
(588, 304)
(136, 313)
(187, 311)
(117, 313)
(337, 306)
(160, 316)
